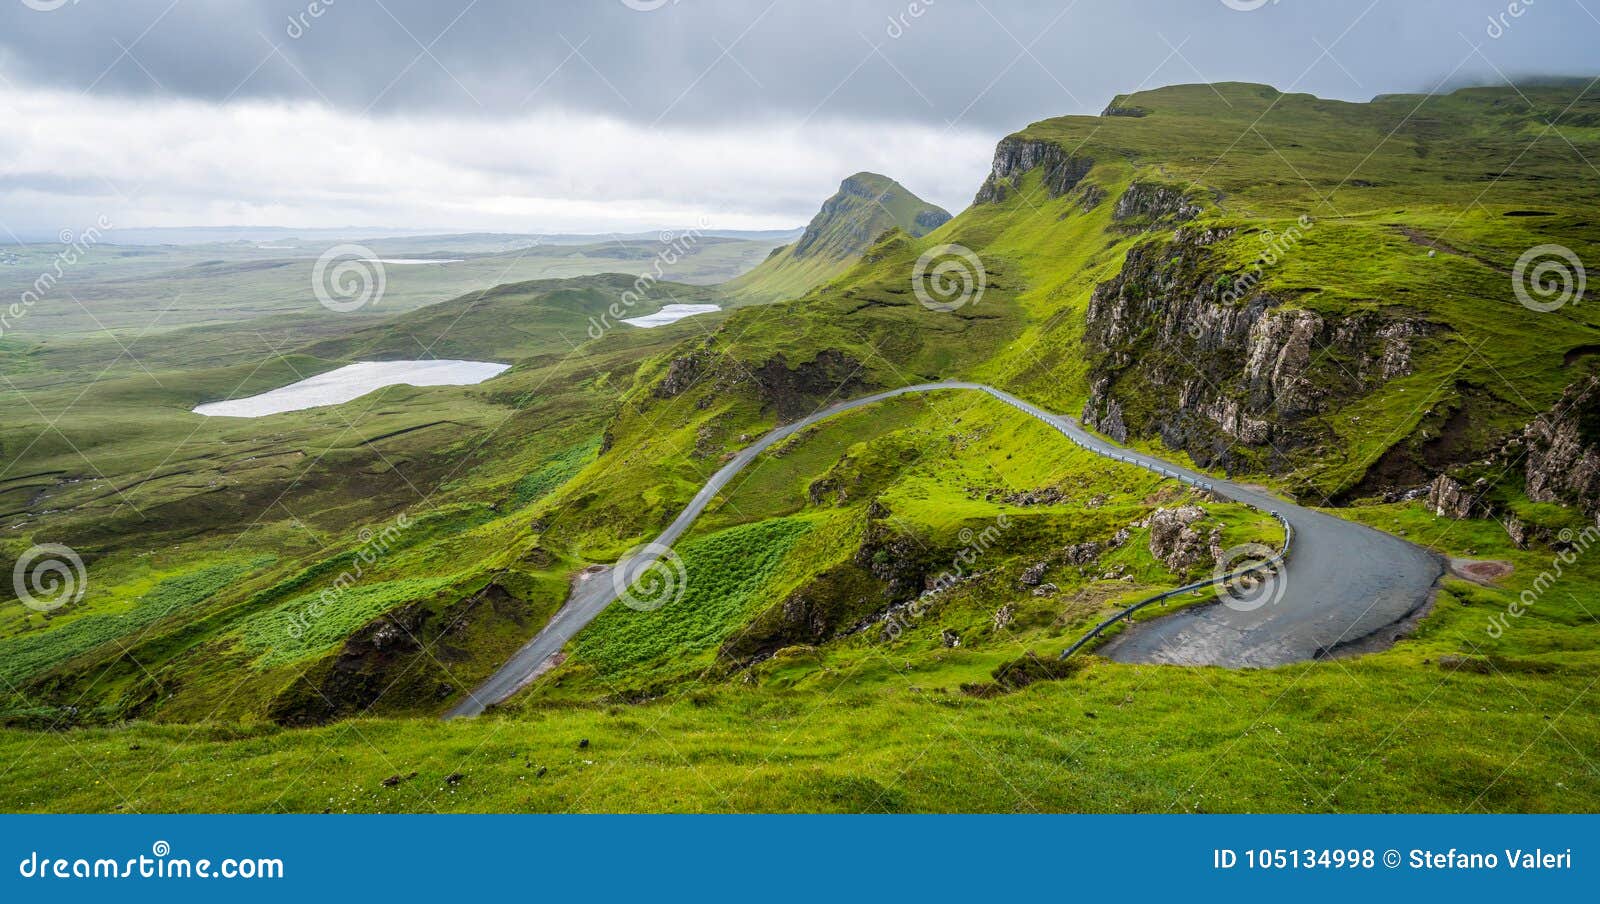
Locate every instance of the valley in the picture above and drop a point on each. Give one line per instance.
(851, 451)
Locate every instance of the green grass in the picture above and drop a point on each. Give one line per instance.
(724, 574)
(312, 624)
(552, 474)
(25, 655)
(511, 492)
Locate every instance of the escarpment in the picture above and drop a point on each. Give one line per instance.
(1182, 349)
(1014, 157)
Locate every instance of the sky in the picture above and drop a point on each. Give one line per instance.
(632, 115)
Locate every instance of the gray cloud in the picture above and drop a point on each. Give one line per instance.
(994, 64)
(586, 116)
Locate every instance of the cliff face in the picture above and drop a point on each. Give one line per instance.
(865, 206)
(1562, 463)
(1233, 381)
(1015, 156)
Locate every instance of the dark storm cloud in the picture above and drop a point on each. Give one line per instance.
(994, 64)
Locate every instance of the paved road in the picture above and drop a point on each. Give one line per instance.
(1345, 584)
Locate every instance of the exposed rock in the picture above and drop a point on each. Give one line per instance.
(1015, 156)
(1563, 450)
(950, 638)
(1046, 590)
(1004, 616)
(1517, 531)
(1106, 416)
(1033, 575)
(1081, 554)
(1174, 539)
(681, 374)
(929, 220)
(1116, 109)
(798, 391)
(395, 659)
(1154, 202)
(1448, 499)
(1222, 370)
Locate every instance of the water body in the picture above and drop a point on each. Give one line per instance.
(672, 313)
(412, 260)
(352, 382)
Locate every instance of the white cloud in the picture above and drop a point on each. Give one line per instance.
(69, 158)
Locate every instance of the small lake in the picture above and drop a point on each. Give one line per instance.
(352, 382)
(672, 313)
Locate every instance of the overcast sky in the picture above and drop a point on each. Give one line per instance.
(597, 115)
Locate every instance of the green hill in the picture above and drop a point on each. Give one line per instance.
(1329, 298)
(866, 206)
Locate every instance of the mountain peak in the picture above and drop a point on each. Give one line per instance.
(865, 207)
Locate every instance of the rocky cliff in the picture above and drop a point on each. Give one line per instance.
(1184, 349)
(1015, 156)
(1562, 463)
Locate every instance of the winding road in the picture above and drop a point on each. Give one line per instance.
(1345, 586)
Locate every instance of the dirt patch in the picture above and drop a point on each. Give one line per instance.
(1480, 571)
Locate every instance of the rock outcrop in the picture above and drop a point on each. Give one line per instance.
(1562, 462)
(1153, 202)
(1182, 349)
(1015, 156)
(1177, 541)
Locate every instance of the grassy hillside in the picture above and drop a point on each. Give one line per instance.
(866, 206)
(818, 648)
